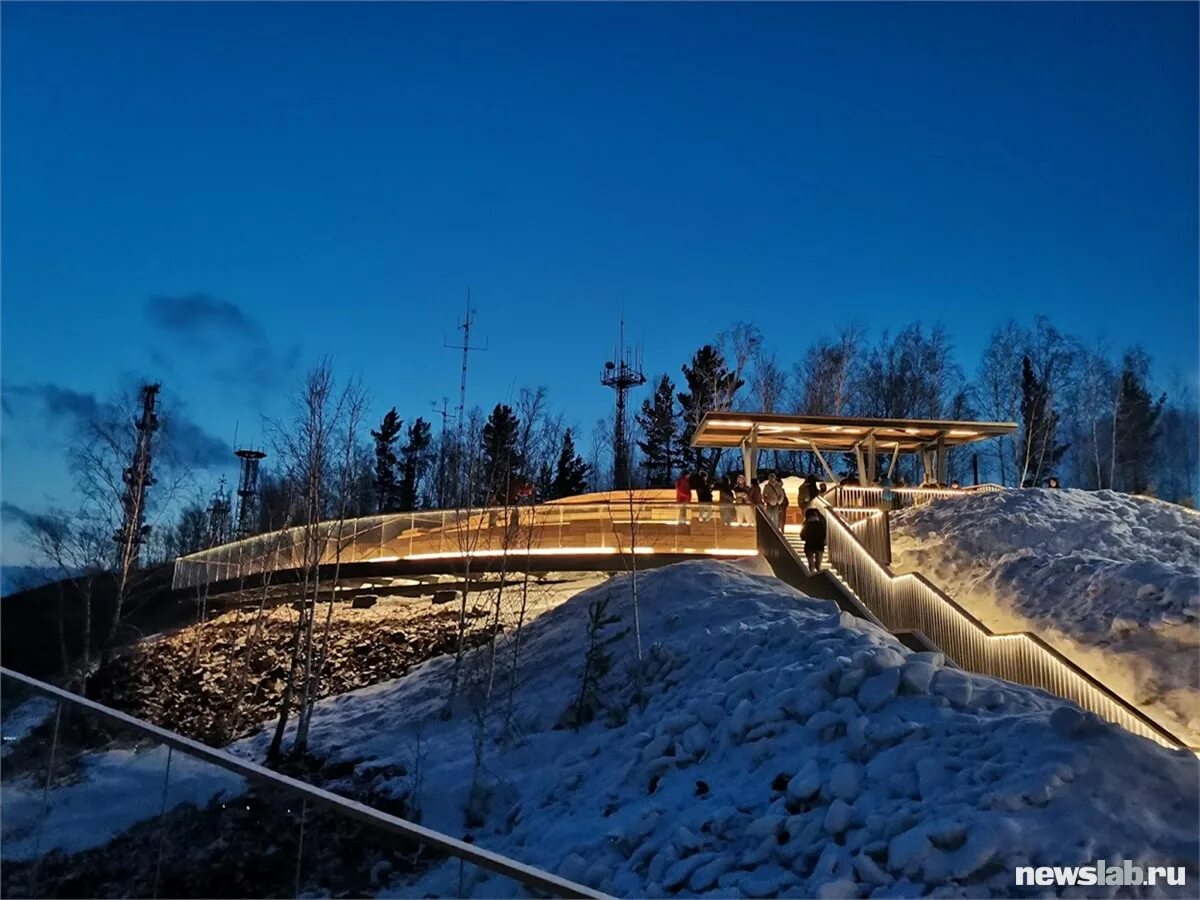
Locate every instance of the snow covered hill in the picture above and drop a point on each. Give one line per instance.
(1111, 580)
(780, 749)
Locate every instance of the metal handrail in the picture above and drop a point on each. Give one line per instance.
(485, 859)
(451, 534)
(974, 652)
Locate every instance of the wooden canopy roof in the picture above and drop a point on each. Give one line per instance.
(839, 433)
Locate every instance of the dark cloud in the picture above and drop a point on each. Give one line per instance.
(248, 362)
(33, 521)
(184, 439)
(195, 446)
(200, 315)
(59, 403)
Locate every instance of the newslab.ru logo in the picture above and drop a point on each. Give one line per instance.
(1122, 874)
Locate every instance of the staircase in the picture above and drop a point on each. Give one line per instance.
(921, 615)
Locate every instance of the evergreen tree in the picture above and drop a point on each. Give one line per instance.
(414, 462)
(711, 386)
(544, 489)
(658, 425)
(570, 477)
(1137, 425)
(386, 487)
(502, 461)
(1039, 431)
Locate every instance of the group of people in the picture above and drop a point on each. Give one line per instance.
(739, 498)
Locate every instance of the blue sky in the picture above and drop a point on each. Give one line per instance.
(328, 179)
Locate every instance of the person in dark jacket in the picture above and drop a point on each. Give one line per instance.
(727, 511)
(810, 491)
(812, 533)
(704, 494)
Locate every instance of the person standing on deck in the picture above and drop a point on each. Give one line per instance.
(741, 500)
(727, 510)
(704, 494)
(812, 533)
(775, 499)
(683, 496)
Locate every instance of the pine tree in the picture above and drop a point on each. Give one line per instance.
(711, 386)
(414, 462)
(386, 488)
(570, 477)
(502, 461)
(1137, 425)
(544, 489)
(658, 425)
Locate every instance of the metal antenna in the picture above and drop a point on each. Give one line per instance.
(466, 348)
(622, 374)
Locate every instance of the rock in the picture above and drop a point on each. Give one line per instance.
(766, 881)
(364, 601)
(806, 782)
(706, 876)
(916, 676)
(739, 722)
(837, 819)
(869, 871)
(765, 825)
(907, 851)
(679, 872)
(677, 723)
(444, 596)
(844, 781)
(954, 685)
(842, 887)
(850, 681)
(656, 747)
(879, 690)
(695, 740)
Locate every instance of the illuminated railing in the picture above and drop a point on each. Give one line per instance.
(576, 529)
(853, 495)
(911, 603)
(77, 774)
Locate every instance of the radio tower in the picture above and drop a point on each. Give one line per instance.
(622, 373)
(138, 481)
(247, 490)
(219, 510)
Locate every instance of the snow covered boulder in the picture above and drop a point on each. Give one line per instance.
(905, 798)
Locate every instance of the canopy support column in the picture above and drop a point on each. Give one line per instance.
(833, 479)
(750, 455)
(892, 465)
(861, 464)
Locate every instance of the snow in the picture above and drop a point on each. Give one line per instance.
(115, 790)
(21, 719)
(781, 748)
(1110, 580)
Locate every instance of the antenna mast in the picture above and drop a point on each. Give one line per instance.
(466, 348)
(138, 479)
(247, 491)
(622, 374)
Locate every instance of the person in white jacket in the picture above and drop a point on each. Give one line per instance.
(775, 499)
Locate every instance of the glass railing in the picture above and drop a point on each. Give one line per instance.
(549, 529)
(97, 804)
